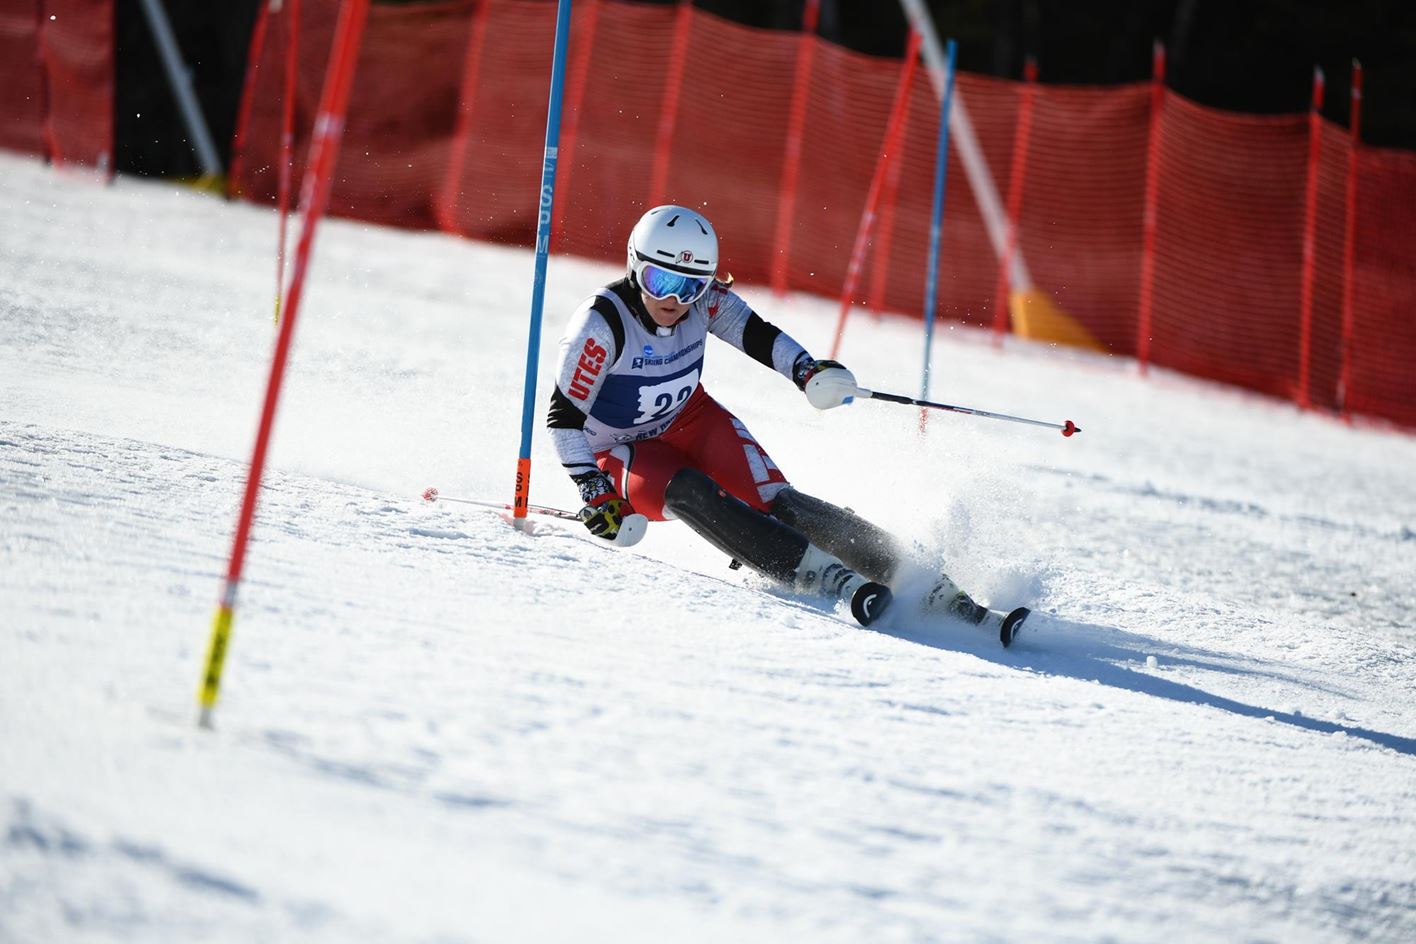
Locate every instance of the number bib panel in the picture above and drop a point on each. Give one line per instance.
(635, 403)
(649, 382)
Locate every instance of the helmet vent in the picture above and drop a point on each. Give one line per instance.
(703, 229)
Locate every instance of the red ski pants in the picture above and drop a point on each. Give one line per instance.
(705, 437)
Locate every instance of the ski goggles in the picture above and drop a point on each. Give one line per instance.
(661, 284)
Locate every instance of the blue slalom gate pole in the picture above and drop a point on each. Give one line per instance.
(521, 504)
(936, 223)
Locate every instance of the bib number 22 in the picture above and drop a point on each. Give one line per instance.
(657, 400)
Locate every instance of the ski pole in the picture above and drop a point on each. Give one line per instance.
(1067, 427)
(434, 495)
(631, 529)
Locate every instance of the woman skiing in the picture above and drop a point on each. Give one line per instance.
(643, 440)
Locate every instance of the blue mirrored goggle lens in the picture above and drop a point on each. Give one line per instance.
(661, 283)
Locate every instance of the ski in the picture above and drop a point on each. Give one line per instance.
(1006, 624)
(630, 532)
(1009, 624)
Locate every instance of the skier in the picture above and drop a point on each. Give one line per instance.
(642, 439)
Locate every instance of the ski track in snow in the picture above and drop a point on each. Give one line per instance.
(435, 728)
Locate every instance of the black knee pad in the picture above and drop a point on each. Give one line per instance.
(693, 491)
(737, 529)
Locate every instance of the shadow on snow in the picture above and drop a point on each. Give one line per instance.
(1093, 654)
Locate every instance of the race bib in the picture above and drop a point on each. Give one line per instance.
(657, 401)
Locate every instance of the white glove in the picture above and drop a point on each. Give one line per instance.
(827, 384)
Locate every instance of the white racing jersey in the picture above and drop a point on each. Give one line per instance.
(622, 378)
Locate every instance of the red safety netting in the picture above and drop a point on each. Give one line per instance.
(447, 125)
(401, 110)
(492, 193)
(1383, 371)
(1229, 226)
(1083, 200)
(1325, 322)
(1080, 213)
(21, 82)
(56, 79)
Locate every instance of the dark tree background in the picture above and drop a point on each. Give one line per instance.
(1243, 55)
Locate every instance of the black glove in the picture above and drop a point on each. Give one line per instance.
(604, 510)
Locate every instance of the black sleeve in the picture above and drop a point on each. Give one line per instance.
(758, 339)
(564, 414)
(610, 313)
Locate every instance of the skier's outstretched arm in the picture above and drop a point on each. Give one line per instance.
(827, 384)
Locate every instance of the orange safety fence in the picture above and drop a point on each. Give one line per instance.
(436, 139)
(57, 79)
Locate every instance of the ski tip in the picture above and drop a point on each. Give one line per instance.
(870, 602)
(430, 494)
(631, 530)
(1012, 624)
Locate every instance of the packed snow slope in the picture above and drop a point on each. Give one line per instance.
(434, 728)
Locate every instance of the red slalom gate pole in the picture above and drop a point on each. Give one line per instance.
(446, 207)
(1310, 225)
(893, 129)
(287, 141)
(889, 198)
(329, 125)
(1349, 243)
(791, 161)
(1148, 222)
(1022, 136)
(248, 91)
(46, 94)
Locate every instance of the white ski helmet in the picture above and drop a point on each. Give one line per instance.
(681, 245)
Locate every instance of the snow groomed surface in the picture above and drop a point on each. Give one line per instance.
(433, 728)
